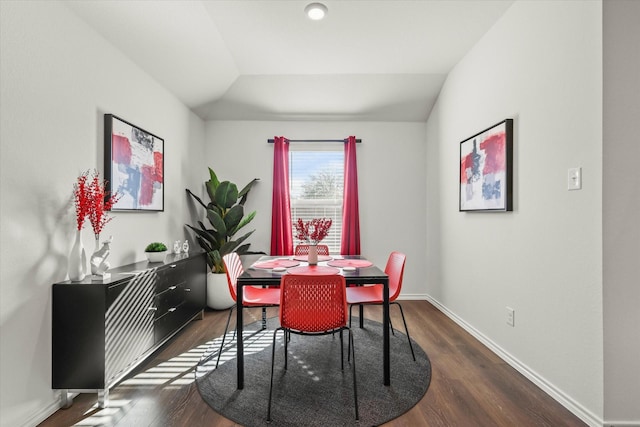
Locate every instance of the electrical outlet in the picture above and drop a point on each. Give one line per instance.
(511, 316)
(574, 179)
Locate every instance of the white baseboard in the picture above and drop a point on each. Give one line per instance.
(561, 397)
(622, 424)
(44, 413)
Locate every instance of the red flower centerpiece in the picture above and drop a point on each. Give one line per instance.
(313, 232)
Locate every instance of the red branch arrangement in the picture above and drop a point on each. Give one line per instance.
(81, 199)
(313, 231)
(93, 201)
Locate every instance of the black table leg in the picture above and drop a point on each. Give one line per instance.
(239, 338)
(385, 334)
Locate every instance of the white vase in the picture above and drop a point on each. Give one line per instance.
(312, 258)
(218, 296)
(77, 268)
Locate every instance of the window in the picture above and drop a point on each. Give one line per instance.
(316, 180)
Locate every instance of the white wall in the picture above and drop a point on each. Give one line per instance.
(541, 64)
(58, 79)
(621, 204)
(390, 181)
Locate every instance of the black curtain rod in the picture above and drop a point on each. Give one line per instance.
(271, 141)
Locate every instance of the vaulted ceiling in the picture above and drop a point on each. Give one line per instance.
(265, 60)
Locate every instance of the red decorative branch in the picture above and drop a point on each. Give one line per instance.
(313, 231)
(93, 201)
(81, 199)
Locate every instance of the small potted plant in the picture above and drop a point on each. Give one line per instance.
(156, 251)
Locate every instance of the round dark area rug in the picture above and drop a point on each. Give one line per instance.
(314, 391)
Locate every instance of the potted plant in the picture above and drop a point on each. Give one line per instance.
(225, 215)
(156, 251)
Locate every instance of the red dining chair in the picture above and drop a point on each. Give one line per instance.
(313, 305)
(304, 250)
(372, 294)
(251, 296)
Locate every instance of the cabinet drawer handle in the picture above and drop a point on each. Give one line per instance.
(187, 289)
(152, 309)
(172, 266)
(172, 287)
(172, 309)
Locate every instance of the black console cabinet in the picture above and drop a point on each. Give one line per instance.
(102, 330)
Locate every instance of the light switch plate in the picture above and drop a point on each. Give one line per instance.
(574, 179)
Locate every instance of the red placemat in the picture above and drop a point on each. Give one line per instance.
(315, 270)
(320, 258)
(274, 263)
(357, 263)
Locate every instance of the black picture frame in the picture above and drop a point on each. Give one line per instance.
(133, 166)
(486, 170)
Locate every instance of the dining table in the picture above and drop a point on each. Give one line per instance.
(356, 269)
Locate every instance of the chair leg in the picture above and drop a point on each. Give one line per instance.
(224, 336)
(406, 330)
(341, 351)
(273, 356)
(264, 318)
(355, 386)
(349, 348)
(286, 347)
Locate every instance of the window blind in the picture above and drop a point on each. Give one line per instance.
(316, 180)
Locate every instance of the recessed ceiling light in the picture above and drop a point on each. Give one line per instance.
(316, 11)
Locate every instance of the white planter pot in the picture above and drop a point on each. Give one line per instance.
(218, 296)
(156, 256)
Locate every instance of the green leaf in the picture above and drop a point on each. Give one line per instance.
(243, 238)
(232, 219)
(226, 195)
(213, 178)
(218, 224)
(207, 238)
(228, 247)
(244, 222)
(245, 191)
(196, 197)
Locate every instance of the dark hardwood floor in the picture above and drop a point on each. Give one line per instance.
(470, 385)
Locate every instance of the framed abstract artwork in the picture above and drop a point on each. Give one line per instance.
(486, 170)
(134, 165)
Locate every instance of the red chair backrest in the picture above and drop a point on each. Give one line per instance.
(395, 271)
(304, 250)
(313, 303)
(233, 266)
